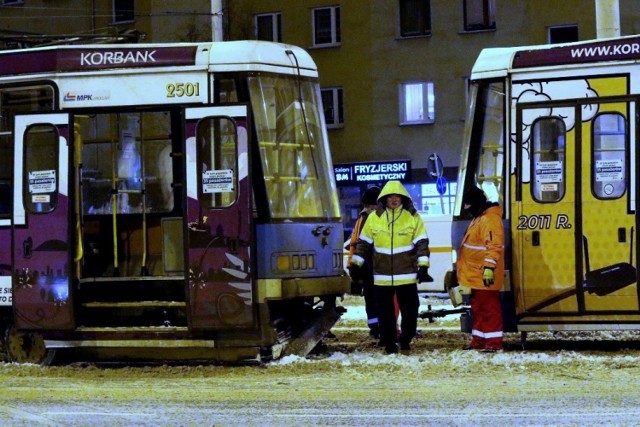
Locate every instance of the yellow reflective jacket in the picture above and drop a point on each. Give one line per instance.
(482, 246)
(399, 243)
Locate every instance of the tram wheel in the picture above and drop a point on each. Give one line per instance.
(26, 347)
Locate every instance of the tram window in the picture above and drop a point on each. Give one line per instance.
(217, 164)
(292, 145)
(41, 176)
(16, 100)
(609, 154)
(490, 167)
(121, 153)
(227, 90)
(548, 136)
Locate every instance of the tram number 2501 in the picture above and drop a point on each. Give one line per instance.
(543, 222)
(178, 90)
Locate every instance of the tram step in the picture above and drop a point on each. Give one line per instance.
(132, 290)
(133, 314)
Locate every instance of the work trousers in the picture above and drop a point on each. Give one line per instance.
(407, 296)
(486, 312)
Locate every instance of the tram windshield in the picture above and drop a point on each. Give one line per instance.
(483, 150)
(294, 150)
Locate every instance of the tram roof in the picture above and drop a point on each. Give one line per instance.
(498, 62)
(249, 55)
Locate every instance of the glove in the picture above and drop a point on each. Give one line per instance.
(423, 275)
(356, 273)
(487, 277)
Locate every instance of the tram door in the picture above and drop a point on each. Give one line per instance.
(41, 234)
(609, 235)
(575, 225)
(219, 218)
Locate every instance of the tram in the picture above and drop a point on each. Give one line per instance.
(166, 201)
(552, 135)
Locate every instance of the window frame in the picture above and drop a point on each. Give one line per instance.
(600, 194)
(337, 107)
(488, 16)
(118, 10)
(561, 156)
(335, 26)
(428, 93)
(53, 161)
(276, 26)
(424, 27)
(554, 27)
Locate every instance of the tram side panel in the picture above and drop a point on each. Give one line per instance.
(576, 217)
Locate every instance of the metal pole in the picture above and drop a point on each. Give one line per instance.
(607, 19)
(216, 21)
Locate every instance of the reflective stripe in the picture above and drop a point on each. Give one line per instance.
(373, 321)
(479, 248)
(357, 260)
(387, 278)
(398, 250)
(366, 238)
(490, 261)
(423, 259)
(420, 237)
(486, 335)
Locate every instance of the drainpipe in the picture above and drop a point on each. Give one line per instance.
(216, 21)
(607, 19)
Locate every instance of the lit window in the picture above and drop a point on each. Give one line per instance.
(333, 107)
(563, 34)
(479, 15)
(269, 27)
(415, 18)
(123, 11)
(417, 103)
(608, 170)
(326, 26)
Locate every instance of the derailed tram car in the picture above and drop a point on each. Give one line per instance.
(169, 201)
(552, 134)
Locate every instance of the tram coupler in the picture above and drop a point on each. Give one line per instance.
(433, 314)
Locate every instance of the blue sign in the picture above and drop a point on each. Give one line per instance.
(441, 185)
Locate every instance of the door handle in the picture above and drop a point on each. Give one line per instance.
(622, 235)
(535, 238)
(27, 248)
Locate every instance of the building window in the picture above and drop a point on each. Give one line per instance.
(333, 107)
(326, 26)
(479, 15)
(415, 18)
(562, 34)
(269, 27)
(123, 11)
(417, 103)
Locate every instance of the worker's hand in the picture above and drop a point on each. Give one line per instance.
(356, 273)
(487, 277)
(423, 275)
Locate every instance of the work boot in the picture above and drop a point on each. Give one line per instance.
(374, 332)
(405, 347)
(391, 348)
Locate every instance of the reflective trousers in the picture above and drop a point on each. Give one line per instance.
(486, 314)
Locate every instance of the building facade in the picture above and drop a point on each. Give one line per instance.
(394, 73)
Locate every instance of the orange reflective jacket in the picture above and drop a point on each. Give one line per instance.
(482, 247)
